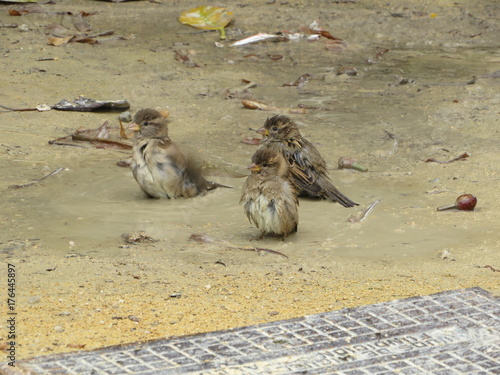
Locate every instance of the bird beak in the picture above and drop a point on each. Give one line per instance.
(134, 127)
(254, 167)
(263, 131)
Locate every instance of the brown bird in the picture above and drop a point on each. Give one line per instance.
(269, 195)
(159, 166)
(307, 166)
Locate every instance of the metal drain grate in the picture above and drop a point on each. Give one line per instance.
(455, 332)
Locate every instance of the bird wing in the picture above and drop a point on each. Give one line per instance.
(298, 155)
(308, 169)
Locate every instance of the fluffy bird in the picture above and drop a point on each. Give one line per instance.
(159, 166)
(269, 195)
(307, 166)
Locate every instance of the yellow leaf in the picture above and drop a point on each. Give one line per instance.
(208, 18)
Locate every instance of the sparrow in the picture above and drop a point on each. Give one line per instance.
(307, 166)
(269, 195)
(159, 166)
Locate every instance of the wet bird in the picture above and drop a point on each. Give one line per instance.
(159, 166)
(307, 166)
(269, 195)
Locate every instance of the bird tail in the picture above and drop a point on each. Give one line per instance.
(331, 193)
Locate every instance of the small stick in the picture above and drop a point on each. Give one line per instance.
(203, 238)
(82, 137)
(491, 268)
(36, 181)
(18, 109)
(58, 143)
(460, 157)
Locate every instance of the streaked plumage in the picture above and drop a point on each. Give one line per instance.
(269, 196)
(159, 166)
(307, 166)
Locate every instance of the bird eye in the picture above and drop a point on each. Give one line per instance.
(275, 128)
(146, 123)
(264, 164)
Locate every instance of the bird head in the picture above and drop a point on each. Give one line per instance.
(150, 123)
(268, 162)
(279, 128)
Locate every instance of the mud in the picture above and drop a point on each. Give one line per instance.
(78, 281)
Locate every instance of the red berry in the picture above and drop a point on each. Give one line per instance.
(466, 202)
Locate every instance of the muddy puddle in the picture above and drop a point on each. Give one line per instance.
(413, 102)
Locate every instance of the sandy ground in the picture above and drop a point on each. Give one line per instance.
(80, 286)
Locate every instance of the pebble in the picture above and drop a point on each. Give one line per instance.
(34, 299)
(58, 329)
(125, 116)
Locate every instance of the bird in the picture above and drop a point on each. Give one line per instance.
(307, 166)
(159, 166)
(269, 196)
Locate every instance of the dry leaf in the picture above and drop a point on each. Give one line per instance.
(81, 25)
(59, 41)
(251, 141)
(85, 39)
(335, 45)
(254, 104)
(58, 31)
(14, 12)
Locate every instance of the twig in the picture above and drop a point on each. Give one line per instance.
(491, 268)
(18, 109)
(460, 157)
(36, 181)
(82, 137)
(57, 143)
(203, 238)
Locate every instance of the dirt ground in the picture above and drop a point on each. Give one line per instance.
(80, 286)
